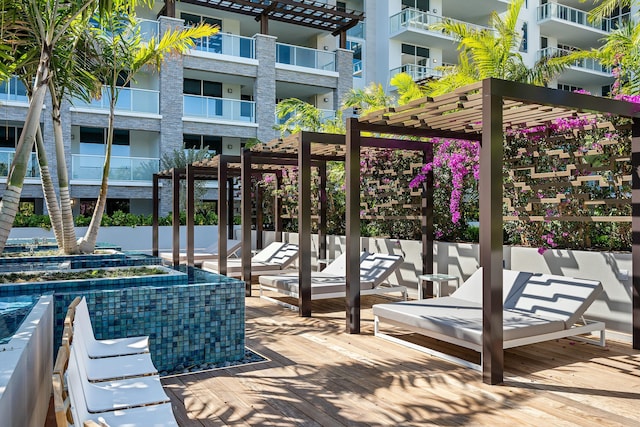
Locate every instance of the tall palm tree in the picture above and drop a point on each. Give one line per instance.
(492, 52)
(119, 54)
(605, 8)
(300, 115)
(41, 25)
(371, 98)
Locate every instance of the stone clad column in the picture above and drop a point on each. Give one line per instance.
(344, 67)
(171, 82)
(264, 91)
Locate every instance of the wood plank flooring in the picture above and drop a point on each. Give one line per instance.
(317, 375)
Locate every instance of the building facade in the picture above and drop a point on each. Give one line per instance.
(223, 93)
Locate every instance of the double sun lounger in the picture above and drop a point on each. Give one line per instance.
(275, 257)
(536, 308)
(375, 268)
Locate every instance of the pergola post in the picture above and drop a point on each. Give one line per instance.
(490, 191)
(155, 216)
(222, 215)
(259, 217)
(427, 220)
(352, 182)
(191, 203)
(175, 182)
(635, 228)
(304, 225)
(245, 172)
(230, 205)
(277, 208)
(322, 223)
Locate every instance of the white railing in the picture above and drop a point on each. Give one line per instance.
(324, 116)
(89, 167)
(129, 99)
(305, 57)
(6, 157)
(13, 90)
(417, 72)
(569, 14)
(219, 108)
(586, 63)
(227, 44)
(418, 19)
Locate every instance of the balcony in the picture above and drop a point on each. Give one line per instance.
(357, 68)
(417, 72)
(583, 72)
(324, 116)
(13, 90)
(130, 100)
(206, 107)
(6, 157)
(148, 29)
(305, 57)
(415, 27)
(227, 44)
(358, 31)
(87, 167)
(571, 25)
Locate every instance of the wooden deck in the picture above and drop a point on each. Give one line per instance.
(319, 375)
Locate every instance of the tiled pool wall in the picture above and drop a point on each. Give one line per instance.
(116, 259)
(188, 323)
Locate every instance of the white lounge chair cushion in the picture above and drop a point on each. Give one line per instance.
(147, 416)
(208, 253)
(462, 319)
(276, 256)
(107, 347)
(110, 368)
(321, 283)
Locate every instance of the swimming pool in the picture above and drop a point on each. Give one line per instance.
(13, 311)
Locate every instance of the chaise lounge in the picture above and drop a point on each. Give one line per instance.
(331, 281)
(536, 308)
(207, 254)
(275, 257)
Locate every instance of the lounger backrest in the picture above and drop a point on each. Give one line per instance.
(471, 289)
(232, 247)
(82, 322)
(338, 267)
(75, 385)
(377, 267)
(277, 253)
(558, 297)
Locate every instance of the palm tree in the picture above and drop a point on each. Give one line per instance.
(492, 52)
(621, 52)
(39, 25)
(300, 115)
(371, 98)
(606, 8)
(120, 53)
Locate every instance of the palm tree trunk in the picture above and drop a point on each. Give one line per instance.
(15, 179)
(69, 243)
(87, 244)
(48, 190)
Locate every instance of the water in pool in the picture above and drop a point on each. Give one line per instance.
(13, 311)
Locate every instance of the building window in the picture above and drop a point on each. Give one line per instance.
(416, 4)
(415, 55)
(341, 6)
(202, 88)
(192, 20)
(525, 35)
(87, 206)
(9, 136)
(93, 142)
(568, 88)
(196, 142)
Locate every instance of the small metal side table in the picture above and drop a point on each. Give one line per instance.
(437, 280)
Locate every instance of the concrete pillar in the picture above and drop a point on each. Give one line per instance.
(344, 67)
(264, 91)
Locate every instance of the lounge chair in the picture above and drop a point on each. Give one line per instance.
(276, 256)
(331, 281)
(108, 347)
(537, 307)
(207, 254)
(70, 404)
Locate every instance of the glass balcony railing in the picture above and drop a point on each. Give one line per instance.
(148, 29)
(358, 31)
(357, 68)
(576, 16)
(89, 167)
(219, 108)
(13, 90)
(585, 63)
(227, 44)
(132, 100)
(305, 57)
(418, 19)
(417, 72)
(6, 157)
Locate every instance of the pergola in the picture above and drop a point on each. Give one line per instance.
(307, 13)
(480, 112)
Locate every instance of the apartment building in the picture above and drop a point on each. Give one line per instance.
(221, 94)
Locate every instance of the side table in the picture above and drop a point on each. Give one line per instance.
(437, 280)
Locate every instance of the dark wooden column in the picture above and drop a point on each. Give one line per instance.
(635, 227)
(277, 207)
(352, 181)
(230, 205)
(155, 215)
(304, 225)
(191, 204)
(259, 215)
(490, 190)
(175, 183)
(245, 170)
(427, 221)
(223, 217)
(264, 24)
(322, 224)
